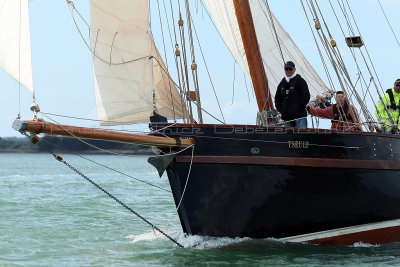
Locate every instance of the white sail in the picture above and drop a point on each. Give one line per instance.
(223, 12)
(127, 65)
(15, 41)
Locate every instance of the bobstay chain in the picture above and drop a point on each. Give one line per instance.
(60, 159)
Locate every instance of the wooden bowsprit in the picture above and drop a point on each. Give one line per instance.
(38, 126)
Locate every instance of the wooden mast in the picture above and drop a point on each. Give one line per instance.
(36, 127)
(253, 54)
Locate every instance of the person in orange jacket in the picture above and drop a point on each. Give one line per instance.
(343, 115)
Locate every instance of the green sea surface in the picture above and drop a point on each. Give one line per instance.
(50, 216)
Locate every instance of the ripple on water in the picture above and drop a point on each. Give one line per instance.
(52, 217)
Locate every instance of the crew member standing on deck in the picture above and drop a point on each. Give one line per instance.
(292, 97)
(390, 114)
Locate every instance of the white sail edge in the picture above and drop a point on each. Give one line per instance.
(127, 65)
(223, 13)
(15, 41)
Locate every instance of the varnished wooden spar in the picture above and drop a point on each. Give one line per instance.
(36, 127)
(253, 54)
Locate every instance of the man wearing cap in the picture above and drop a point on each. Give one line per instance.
(292, 97)
(388, 109)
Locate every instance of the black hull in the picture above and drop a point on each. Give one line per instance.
(282, 183)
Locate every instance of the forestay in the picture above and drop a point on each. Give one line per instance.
(127, 65)
(223, 12)
(15, 41)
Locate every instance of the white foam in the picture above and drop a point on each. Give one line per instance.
(13, 176)
(150, 236)
(206, 242)
(193, 241)
(364, 245)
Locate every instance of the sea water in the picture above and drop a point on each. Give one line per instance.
(50, 216)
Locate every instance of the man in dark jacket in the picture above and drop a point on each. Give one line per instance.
(291, 98)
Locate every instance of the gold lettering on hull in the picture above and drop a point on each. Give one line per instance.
(298, 144)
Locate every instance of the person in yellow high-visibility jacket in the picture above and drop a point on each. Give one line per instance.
(389, 103)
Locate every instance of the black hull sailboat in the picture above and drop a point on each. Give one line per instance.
(301, 185)
(304, 185)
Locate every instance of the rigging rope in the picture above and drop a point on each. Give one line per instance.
(380, 87)
(326, 45)
(344, 72)
(234, 78)
(193, 102)
(194, 65)
(19, 60)
(94, 120)
(274, 28)
(184, 65)
(166, 61)
(114, 153)
(80, 118)
(216, 28)
(125, 174)
(208, 72)
(187, 180)
(72, 9)
(319, 50)
(184, 98)
(337, 61)
(184, 189)
(274, 142)
(226, 138)
(355, 59)
(153, 85)
(57, 157)
(366, 49)
(281, 44)
(390, 25)
(245, 84)
(93, 146)
(69, 2)
(106, 167)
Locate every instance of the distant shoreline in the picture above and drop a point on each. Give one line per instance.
(122, 152)
(49, 144)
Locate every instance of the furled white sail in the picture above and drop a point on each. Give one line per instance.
(223, 12)
(15, 41)
(127, 65)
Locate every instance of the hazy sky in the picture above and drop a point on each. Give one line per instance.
(62, 70)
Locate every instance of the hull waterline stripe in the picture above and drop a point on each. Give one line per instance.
(295, 162)
(373, 233)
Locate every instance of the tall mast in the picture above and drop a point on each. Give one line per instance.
(253, 54)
